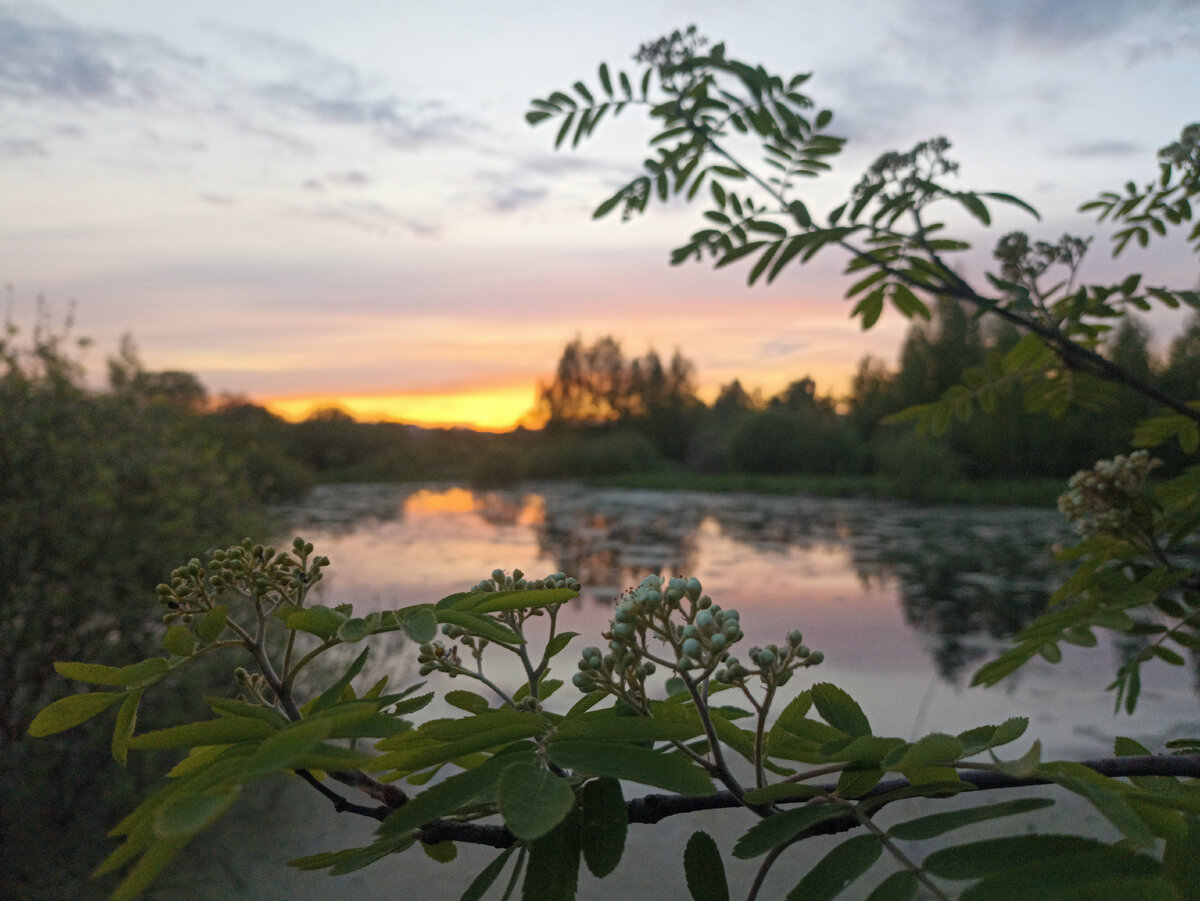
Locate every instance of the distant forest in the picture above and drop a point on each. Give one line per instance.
(608, 414)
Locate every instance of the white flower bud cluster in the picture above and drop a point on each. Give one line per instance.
(1110, 498)
(502, 581)
(699, 645)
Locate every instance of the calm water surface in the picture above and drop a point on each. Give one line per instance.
(905, 602)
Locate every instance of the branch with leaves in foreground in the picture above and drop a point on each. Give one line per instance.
(667, 703)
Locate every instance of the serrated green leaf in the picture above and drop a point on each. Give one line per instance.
(333, 693)
(419, 624)
(997, 855)
(71, 711)
(838, 869)
(781, 828)
(902, 886)
(704, 870)
(452, 793)
(635, 764)
(126, 723)
(604, 825)
(467, 700)
(556, 645)
(523, 599)
(532, 800)
(481, 883)
(553, 871)
(480, 625)
(607, 726)
(187, 813)
(212, 624)
(279, 750)
(179, 641)
(153, 862)
(839, 710)
(936, 824)
(317, 620)
(224, 731)
(97, 674)
(353, 630)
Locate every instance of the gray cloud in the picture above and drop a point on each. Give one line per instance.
(22, 148)
(1105, 149)
(350, 178)
(526, 184)
(295, 78)
(268, 87)
(508, 200)
(46, 57)
(1049, 24)
(369, 216)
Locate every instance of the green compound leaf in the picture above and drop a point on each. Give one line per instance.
(636, 764)
(71, 711)
(704, 870)
(938, 823)
(781, 828)
(605, 825)
(838, 869)
(187, 813)
(532, 800)
(553, 871)
(839, 709)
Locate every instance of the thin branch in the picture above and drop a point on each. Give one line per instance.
(650, 809)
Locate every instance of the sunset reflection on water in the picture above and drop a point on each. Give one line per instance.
(904, 602)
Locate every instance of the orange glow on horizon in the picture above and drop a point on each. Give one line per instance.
(498, 409)
(507, 406)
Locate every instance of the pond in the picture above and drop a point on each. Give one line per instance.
(904, 601)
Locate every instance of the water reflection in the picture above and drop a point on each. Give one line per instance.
(964, 578)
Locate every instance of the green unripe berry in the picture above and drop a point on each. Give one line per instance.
(498, 576)
(693, 589)
(691, 647)
(717, 642)
(815, 657)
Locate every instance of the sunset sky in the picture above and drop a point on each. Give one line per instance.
(309, 202)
